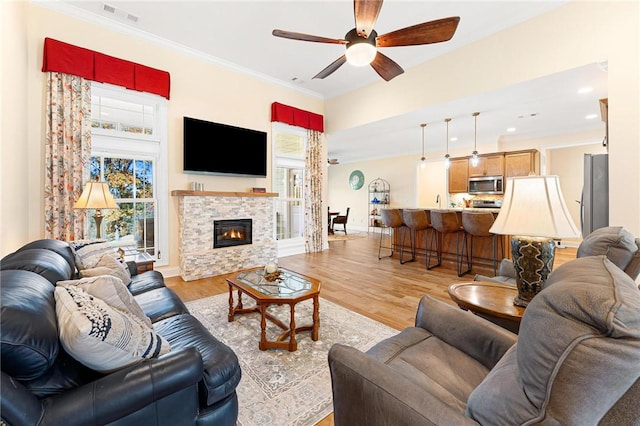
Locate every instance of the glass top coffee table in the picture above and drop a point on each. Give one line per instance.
(286, 287)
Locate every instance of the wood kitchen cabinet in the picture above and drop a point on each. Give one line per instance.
(458, 175)
(488, 165)
(521, 163)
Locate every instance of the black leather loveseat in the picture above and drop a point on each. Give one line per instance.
(42, 384)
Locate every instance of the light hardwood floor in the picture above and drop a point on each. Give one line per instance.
(353, 277)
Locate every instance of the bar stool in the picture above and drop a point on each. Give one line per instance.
(392, 221)
(446, 222)
(415, 220)
(477, 224)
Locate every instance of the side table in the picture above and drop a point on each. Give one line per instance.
(492, 301)
(142, 259)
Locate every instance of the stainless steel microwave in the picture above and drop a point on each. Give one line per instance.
(486, 185)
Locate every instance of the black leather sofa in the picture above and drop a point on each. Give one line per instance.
(41, 384)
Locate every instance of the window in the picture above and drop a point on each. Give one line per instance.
(288, 180)
(129, 153)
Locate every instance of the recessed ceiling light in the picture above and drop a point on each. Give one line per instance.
(511, 129)
(591, 116)
(584, 90)
(453, 139)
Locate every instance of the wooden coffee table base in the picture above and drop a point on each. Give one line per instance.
(290, 331)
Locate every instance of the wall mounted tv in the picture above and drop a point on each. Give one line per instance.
(220, 149)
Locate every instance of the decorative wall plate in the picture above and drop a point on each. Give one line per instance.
(356, 179)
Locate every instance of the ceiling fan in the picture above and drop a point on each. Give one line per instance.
(362, 41)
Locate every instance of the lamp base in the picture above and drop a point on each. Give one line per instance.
(98, 219)
(533, 260)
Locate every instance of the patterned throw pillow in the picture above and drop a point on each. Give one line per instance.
(112, 291)
(103, 338)
(89, 252)
(109, 265)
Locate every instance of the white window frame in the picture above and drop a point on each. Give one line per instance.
(112, 143)
(294, 245)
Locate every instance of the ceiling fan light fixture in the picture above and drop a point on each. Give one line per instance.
(361, 54)
(360, 51)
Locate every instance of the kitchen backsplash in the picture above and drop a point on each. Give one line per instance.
(458, 200)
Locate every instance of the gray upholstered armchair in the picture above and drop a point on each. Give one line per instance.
(576, 361)
(618, 244)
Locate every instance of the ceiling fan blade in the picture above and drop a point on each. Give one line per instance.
(386, 67)
(425, 33)
(332, 67)
(366, 14)
(306, 37)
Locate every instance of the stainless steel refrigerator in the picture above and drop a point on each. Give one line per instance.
(595, 193)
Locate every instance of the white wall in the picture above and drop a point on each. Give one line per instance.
(14, 172)
(570, 36)
(398, 171)
(431, 185)
(199, 88)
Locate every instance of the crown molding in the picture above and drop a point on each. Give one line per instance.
(93, 18)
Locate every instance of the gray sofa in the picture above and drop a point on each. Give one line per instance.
(576, 361)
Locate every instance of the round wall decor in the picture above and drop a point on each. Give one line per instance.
(356, 179)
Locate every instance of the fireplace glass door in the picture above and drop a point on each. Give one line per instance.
(235, 232)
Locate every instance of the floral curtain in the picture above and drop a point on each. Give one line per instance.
(67, 153)
(313, 228)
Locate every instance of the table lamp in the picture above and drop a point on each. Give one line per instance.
(533, 212)
(96, 195)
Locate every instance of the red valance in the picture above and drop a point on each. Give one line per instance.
(296, 117)
(69, 59)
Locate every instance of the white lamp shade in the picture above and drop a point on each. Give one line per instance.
(95, 195)
(534, 206)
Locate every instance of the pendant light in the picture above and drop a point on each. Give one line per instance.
(422, 160)
(474, 154)
(447, 161)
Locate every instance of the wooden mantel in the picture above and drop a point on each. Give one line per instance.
(187, 193)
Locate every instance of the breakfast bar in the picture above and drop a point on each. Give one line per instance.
(483, 246)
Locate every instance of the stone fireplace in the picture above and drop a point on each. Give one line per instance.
(231, 232)
(198, 213)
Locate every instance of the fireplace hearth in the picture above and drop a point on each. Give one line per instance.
(234, 232)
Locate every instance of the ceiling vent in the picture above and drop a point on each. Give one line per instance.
(120, 13)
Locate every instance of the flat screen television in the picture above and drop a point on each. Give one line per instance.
(220, 149)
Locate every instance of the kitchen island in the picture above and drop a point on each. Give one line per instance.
(482, 249)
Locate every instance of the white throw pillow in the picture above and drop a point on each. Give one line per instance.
(112, 291)
(103, 338)
(89, 252)
(109, 265)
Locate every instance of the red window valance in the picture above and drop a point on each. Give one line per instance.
(296, 117)
(69, 59)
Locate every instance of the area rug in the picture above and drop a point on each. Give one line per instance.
(279, 387)
(340, 236)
